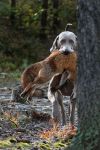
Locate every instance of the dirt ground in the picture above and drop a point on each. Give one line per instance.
(21, 124)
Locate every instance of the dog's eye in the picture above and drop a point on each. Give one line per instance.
(71, 41)
(63, 41)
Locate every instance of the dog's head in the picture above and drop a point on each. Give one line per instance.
(65, 42)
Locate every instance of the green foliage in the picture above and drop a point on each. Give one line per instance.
(20, 44)
(68, 11)
(4, 8)
(28, 14)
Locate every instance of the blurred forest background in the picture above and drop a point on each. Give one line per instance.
(28, 28)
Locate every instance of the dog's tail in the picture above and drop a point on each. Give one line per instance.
(68, 26)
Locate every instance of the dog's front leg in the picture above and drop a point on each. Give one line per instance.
(53, 97)
(63, 78)
(56, 113)
(59, 97)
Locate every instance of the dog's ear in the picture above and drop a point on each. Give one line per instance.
(55, 44)
(68, 26)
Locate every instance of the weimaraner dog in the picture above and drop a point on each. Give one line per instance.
(59, 86)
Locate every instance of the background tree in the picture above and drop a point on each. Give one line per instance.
(44, 19)
(88, 92)
(56, 22)
(23, 23)
(13, 12)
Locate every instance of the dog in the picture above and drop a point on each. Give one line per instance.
(66, 41)
(60, 85)
(41, 72)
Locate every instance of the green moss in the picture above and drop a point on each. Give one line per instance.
(44, 146)
(59, 144)
(6, 143)
(23, 145)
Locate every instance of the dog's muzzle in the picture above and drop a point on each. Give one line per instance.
(65, 52)
(66, 49)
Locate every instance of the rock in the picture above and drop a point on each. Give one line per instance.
(15, 95)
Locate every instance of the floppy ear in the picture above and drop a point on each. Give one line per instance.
(55, 44)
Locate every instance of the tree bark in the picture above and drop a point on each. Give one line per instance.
(88, 83)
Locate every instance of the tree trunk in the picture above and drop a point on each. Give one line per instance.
(44, 19)
(55, 16)
(13, 14)
(88, 85)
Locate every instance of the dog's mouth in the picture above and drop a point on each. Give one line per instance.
(65, 52)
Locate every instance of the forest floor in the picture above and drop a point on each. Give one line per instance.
(29, 126)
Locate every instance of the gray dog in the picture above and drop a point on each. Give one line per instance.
(59, 86)
(65, 42)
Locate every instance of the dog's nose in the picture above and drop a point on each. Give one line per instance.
(65, 52)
